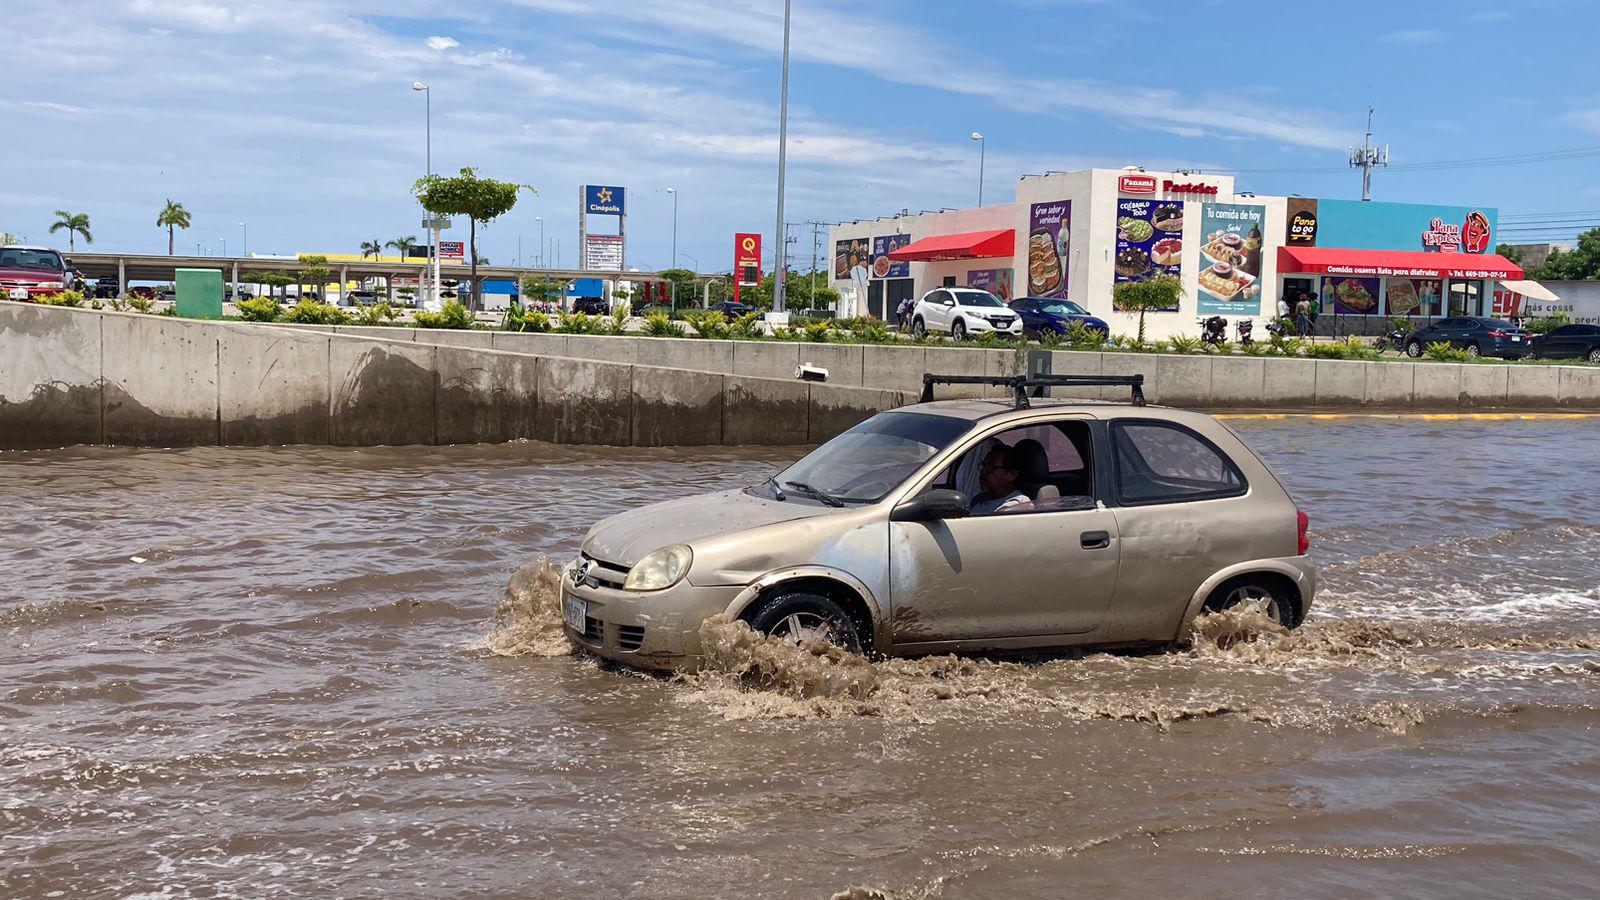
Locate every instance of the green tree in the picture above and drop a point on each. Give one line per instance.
(1158, 293)
(801, 291)
(1515, 254)
(405, 246)
(173, 215)
(1581, 263)
(372, 248)
(7, 239)
(272, 281)
(314, 271)
(681, 286)
(479, 199)
(74, 224)
(538, 289)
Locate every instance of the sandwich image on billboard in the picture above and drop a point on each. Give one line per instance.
(1230, 259)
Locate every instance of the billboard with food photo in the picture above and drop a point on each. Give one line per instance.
(881, 265)
(1049, 239)
(1413, 296)
(1230, 259)
(1350, 296)
(848, 255)
(996, 281)
(1149, 239)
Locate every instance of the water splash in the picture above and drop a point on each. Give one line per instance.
(528, 620)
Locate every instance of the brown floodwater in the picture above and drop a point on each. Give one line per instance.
(336, 672)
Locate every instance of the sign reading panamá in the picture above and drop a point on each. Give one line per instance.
(1358, 225)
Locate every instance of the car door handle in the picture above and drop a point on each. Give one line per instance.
(1095, 540)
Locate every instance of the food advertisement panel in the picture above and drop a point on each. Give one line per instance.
(996, 281)
(1149, 239)
(1367, 225)
(881, 265)
(1049, 243)
(849, 255)
(1413, 296)
(1350, 296)
(1230, 259)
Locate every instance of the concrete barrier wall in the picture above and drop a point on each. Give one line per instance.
(71, 376)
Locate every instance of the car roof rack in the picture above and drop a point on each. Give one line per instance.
(1020, 384)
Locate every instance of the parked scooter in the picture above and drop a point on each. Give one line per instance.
(1278, 329)
(1214, 330)
(1246, 331)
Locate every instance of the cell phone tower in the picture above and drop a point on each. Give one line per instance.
(1367, 157)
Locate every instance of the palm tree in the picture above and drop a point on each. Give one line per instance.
(373, 249)
(173, 215)
(404, 246)
(74, 224)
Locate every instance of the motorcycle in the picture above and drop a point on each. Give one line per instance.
(1393, 340)
(1214, 330)
(1278, 329)
(1246, 331)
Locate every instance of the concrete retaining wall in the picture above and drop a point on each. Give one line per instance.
(1208, 382)
(71, 376)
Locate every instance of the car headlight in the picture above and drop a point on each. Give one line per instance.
(660, 569)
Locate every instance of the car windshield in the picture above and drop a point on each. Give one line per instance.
(17, 258)
(976, 298)
(1062, 308)
(870, 460)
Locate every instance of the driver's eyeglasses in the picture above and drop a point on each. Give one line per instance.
(987, 468)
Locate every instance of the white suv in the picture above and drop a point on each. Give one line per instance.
(964, 311)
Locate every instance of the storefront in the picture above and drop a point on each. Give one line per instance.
(1078, 234)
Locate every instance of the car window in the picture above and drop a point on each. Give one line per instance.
(1496, 324)
(1159, 462)
(976, 298)
(1566, 330)
(935, 297)
(1052, 475)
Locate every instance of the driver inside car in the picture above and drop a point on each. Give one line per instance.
(998, 477)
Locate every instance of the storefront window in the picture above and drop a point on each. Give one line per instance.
(1351, 296)
(1466, 298)
(1411, 296)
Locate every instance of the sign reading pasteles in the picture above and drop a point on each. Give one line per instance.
(1193, 188)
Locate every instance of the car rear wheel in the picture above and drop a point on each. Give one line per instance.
(959, 330)
(1278, 605)
(1474, 351)
(1594, 356)
(919, 327)
(1414, 349)
(803, 616)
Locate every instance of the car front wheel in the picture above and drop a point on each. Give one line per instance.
(799, 616)
(959, 330)
(1414, 349)
(1594, 356)
(1474, 351)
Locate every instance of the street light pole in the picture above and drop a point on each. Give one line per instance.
(982, 148)
(246, 250)
(778, 272)
(540, 220)
(427, 108)
(674, 192)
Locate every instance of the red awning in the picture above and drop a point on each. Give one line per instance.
(1396, 263)
(973, 245)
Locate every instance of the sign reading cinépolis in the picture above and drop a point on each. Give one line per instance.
(604, 200)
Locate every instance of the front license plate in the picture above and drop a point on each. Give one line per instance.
(19, 293)
(573, 610)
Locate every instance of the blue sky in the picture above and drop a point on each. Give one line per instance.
(297, 117)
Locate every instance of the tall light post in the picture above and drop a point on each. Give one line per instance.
(674, 192)
(224, 246)
(778, 272)
(246, 250)
(540, 220)
(982, 148)
(427, 109)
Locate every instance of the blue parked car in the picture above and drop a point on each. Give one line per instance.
(1052, 314)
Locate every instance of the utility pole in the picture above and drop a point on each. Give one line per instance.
(778, 273)
(816, 232)
(1367, 157)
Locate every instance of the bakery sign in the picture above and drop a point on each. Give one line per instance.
(1136, 184)
(1190, 188)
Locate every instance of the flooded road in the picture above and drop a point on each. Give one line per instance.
(277, 672)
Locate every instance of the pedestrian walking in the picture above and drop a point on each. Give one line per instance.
(1302, 314)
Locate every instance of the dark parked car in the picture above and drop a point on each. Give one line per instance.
(593, 306)
(730, 309)
(1053, 314)
(1569, 342)
(1478, 335)
(106, 288)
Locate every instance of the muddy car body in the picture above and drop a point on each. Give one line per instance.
(1136, 518)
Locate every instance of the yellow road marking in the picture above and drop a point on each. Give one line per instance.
(1424, 417)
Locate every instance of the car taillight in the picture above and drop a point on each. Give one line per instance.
(1302, 524)
(1497, 334)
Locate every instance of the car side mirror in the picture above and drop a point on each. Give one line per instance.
(933, 506)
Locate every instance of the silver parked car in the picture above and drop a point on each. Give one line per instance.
(1010, 523)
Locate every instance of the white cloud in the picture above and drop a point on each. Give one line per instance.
(438, 42)
(1586, 119)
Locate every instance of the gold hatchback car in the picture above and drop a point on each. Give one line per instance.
(1004, 524)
